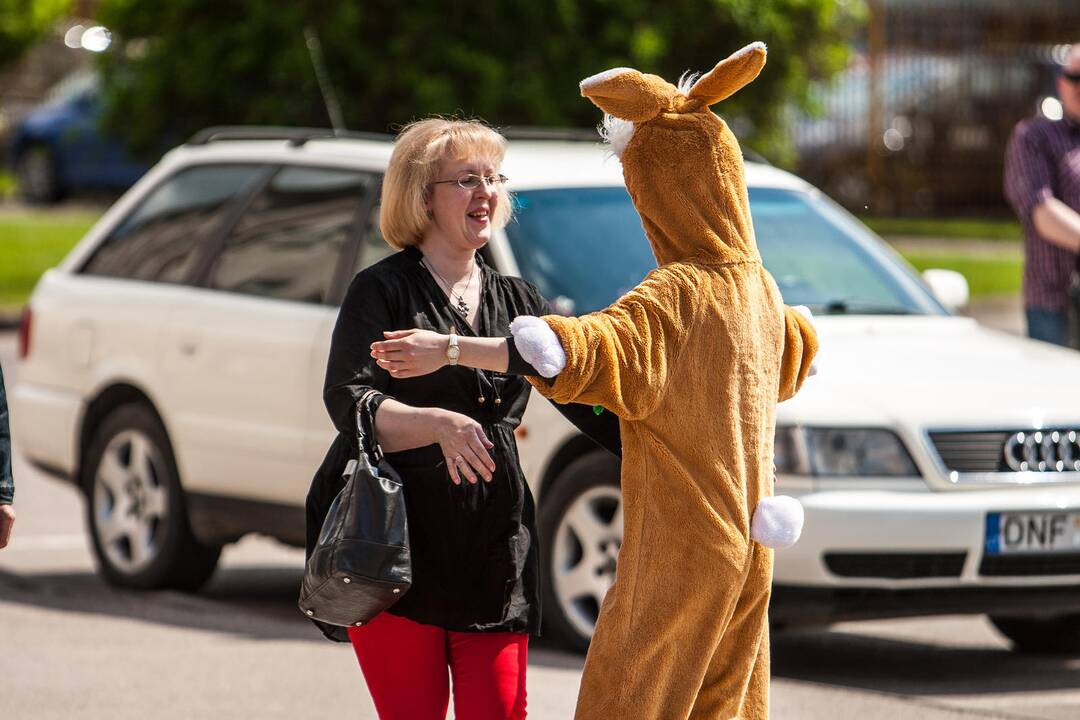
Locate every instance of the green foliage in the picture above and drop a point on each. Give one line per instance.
(24, 21)
(511, 62)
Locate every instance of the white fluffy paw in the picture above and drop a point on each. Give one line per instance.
(538, 345)
(777, 522)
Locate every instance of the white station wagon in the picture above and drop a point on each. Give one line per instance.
(172, 368)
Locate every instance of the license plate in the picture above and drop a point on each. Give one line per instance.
(1032, 532)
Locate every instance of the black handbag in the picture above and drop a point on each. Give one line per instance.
(361, 563)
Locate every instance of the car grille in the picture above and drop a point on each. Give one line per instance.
(1030, 564)
(971, 451)
(896, 566)
(1003, 456)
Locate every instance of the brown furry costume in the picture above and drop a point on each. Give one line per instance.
(694, 361)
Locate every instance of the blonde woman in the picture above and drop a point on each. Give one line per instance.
(475, 594)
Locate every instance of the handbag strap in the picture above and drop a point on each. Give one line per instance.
(365, 427)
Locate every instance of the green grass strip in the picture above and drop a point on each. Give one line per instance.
(958, 228)
(995, 275)
(31, 243)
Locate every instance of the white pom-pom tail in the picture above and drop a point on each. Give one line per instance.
(538, 345)
(777, 522)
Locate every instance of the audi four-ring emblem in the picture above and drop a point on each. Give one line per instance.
(1043, 451)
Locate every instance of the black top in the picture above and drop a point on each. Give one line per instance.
(474, 547)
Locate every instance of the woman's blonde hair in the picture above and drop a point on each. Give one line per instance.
(420, 149)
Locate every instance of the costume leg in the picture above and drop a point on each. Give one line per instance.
(736, 684)
(404, 664)
(675, 592)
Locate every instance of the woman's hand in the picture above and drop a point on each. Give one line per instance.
(410, 353)
(464, 446)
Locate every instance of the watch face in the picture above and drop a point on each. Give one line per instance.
(453, 352)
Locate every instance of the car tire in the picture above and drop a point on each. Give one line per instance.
(39, 181)
(135, 506)
(580, 525)
(1052, 635)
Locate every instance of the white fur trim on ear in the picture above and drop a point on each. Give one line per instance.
(538, 345)
(603, 77)
(616, 133)
(777, 522)
(687, 80)
(750, 48)
(805, 312)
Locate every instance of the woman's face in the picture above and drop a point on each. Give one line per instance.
(458, 216)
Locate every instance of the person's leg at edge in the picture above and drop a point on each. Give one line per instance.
(405, 667)
(489, 670)
(1046, 325)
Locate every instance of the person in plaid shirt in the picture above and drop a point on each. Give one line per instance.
(1042, 183)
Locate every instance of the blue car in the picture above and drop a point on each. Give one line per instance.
(58, 148)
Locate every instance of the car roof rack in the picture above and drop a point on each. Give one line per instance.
(296, 136)
(527, 132)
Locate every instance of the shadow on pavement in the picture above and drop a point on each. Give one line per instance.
(260, 603)
(912, 668)
(254, 602)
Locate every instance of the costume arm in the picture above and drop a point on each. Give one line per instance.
(800, 347)
(620, 357)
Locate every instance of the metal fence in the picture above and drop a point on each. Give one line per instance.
(918, 122)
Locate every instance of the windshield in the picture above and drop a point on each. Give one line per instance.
(584, 247)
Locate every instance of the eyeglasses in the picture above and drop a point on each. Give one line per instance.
(471, 181)
(1073, 77)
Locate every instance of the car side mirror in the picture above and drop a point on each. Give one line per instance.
(950, 287)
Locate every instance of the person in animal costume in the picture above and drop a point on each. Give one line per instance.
(693, 361)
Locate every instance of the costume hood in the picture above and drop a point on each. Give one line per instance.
(682, 165)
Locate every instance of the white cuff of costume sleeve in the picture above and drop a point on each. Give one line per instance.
(538, 344)
(777, 522)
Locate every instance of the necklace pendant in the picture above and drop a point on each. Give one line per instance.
(462, 307)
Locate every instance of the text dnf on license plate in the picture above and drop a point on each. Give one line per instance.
(1035, 532)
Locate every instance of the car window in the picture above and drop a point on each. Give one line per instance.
(374, 247)
(585, 247)
(287, 243)
(157, 241)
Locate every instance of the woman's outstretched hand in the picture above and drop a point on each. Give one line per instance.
(464, 446)
(410, 353)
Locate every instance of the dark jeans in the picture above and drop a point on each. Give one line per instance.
(1046, 325)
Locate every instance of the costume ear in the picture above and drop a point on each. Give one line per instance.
(628, 94)
(730, 75)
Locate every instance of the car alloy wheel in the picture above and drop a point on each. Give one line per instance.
(135, 506)
(130, 502)
(586, 550)
(580, 524)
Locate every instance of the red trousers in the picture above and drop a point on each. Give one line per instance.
(405, 665)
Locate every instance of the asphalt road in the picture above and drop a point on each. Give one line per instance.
(72, 647)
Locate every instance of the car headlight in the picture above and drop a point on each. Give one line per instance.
(841, 452)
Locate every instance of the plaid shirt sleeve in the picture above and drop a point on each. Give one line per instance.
(1029, 171)
(7, 484)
